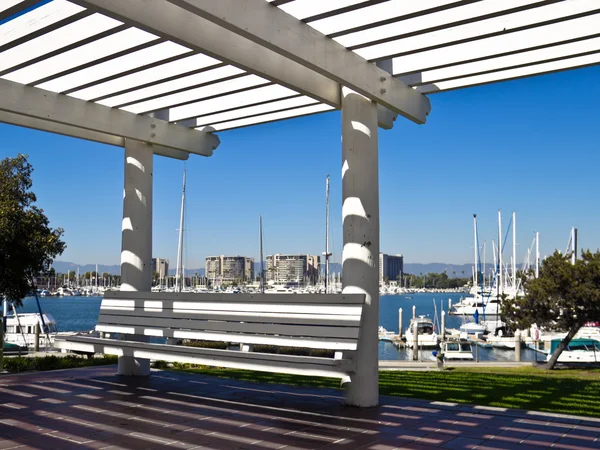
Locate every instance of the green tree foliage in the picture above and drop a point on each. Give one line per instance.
(27, 243)
(563, 298)
(434, 281)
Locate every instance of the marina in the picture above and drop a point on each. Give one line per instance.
(79, 314)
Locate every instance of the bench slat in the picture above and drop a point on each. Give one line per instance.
(332, 299)
(323, 343)
(167, 321)
(299, 365)
(254, 317)
(311, 309)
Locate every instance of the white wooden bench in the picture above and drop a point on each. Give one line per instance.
(313, 321)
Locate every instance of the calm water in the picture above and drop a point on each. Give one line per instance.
(81, 313)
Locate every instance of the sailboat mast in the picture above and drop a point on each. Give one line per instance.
(483, 263)
(178, 278)
(327, 254)
(499, 252)
(262, 268)
(475, 271)
(514, 250)
(573, 245)
(537, 254)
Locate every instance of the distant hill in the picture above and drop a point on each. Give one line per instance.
(453, 270)
(66, 266)
(188, 272)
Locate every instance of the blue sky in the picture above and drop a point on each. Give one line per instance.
(530, 146)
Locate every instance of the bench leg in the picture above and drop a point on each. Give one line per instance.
(360, 195)
(130, 366)
(136, 244)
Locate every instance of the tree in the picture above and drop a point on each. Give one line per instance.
(564, 297)
(27, 243)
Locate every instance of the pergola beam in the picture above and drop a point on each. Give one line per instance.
(276, 30)
(99, 122)
(94, 136)
(177, 24)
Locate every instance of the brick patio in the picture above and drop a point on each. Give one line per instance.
(94, 408)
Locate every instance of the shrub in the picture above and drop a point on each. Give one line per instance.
(54, 362)
(206, 344)
(160, 364)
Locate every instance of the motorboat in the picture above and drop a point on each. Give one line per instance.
(457, 350)
(472, 328)
(469, 305)
(20, 329)
(578, 351)
(385, 335)
(427, 337)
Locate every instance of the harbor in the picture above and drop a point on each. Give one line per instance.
(79, 314)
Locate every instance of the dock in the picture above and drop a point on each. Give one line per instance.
(432, 365)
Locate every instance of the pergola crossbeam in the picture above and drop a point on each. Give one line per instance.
(99, 120)
(191, 30)
(80, 133)
(280, 32)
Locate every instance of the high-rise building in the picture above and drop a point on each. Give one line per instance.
(160, 266)
(212, 269)
(229, 269)
(391, 267)
(293, 269)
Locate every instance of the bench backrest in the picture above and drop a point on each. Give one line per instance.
(319, 321)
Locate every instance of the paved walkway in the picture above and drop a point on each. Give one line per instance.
(94, 408)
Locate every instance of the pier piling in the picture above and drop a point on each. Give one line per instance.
(517, 346)
(415, 339)
(443, 326)
(1, 344)
(37, 337)
(414, 311)
(400, 323)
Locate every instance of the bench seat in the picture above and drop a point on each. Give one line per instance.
(265, 362)
(314, 321)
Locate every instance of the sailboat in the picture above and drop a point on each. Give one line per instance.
(326, 253)
(179, 273)
(262, 268)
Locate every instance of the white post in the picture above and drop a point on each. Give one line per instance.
(400, 323)
(414, 311)
(449, 305)
(415, 332)
(136, 247)
(537, 254)
(443, 326)
(360, 216)
(514, 251)
(517, 346)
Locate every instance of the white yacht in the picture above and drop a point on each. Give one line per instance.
(473, 328)
(457, 350)
(468, 305)
(578, 351)
(20, 329)
(427, 337)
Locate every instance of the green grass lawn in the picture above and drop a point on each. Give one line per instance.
(562, 391)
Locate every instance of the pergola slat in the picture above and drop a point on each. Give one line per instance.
(198, 64)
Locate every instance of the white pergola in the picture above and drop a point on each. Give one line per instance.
(166, 76)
